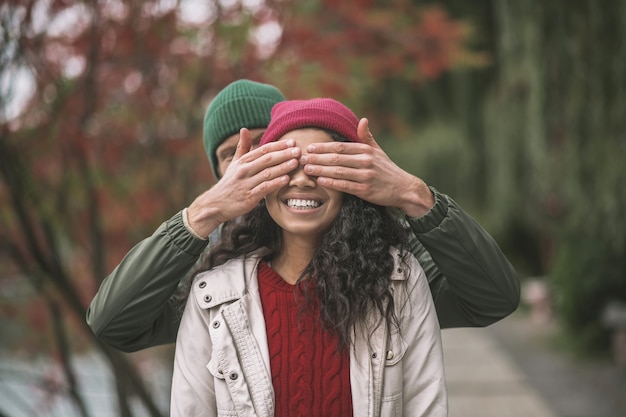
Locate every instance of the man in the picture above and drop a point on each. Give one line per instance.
(472, 282)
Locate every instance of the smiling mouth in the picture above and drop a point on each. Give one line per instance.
(302, 204)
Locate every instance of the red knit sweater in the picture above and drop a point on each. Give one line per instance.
(311, 377)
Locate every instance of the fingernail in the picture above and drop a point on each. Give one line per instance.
(304, 159)
(311, 148)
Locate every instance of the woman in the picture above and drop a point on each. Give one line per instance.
(309, 305)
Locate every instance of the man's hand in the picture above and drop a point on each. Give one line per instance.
(365, 170)
(251, 175)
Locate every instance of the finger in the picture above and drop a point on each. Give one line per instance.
(346, 148)
(265, 187)
(364, 133)
(257, 163)
(244, 144)
(272, 147)
(351, 187)
(344, 173)
(362, 160)
(255, 180)
(277, 170)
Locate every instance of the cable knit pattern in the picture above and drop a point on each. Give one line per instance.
(310, 376)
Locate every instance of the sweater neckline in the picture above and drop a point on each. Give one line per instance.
(272, 278)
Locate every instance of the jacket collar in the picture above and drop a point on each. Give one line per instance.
(225, 283)
(232, 280)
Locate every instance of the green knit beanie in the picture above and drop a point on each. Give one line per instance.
(242, 103)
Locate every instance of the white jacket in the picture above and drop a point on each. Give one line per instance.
(222, 365)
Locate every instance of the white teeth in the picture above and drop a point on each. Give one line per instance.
(302, 204)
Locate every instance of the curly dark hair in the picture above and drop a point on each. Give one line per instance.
(351, 268)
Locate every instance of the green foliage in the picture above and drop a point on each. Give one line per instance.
(102, 154)
(354, 52)
(587, 275)
(555, 135)
(441, 154)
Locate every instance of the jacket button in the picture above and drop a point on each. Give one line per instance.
(233, 376)
(389, 355)
(399, 270)
(216, 324)
(207, 298)
(202, 284)
(374, 355)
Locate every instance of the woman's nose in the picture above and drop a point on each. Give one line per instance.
(300, 179)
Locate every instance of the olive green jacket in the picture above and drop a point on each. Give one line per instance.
(472, 282)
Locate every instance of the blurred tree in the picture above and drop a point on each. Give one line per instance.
(374, 55)
(107, 145)
(119, 94)
(555, 132)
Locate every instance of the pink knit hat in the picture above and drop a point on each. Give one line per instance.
(318, 112)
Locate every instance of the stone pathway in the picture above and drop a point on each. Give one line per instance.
(483, 380)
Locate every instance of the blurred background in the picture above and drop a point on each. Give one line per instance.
(517, 110)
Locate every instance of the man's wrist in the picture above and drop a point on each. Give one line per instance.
(419, 199)
(203, 215)
(190, 229)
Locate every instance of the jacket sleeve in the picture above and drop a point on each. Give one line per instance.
(131, 310)
(193, 386)
(472, 282)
